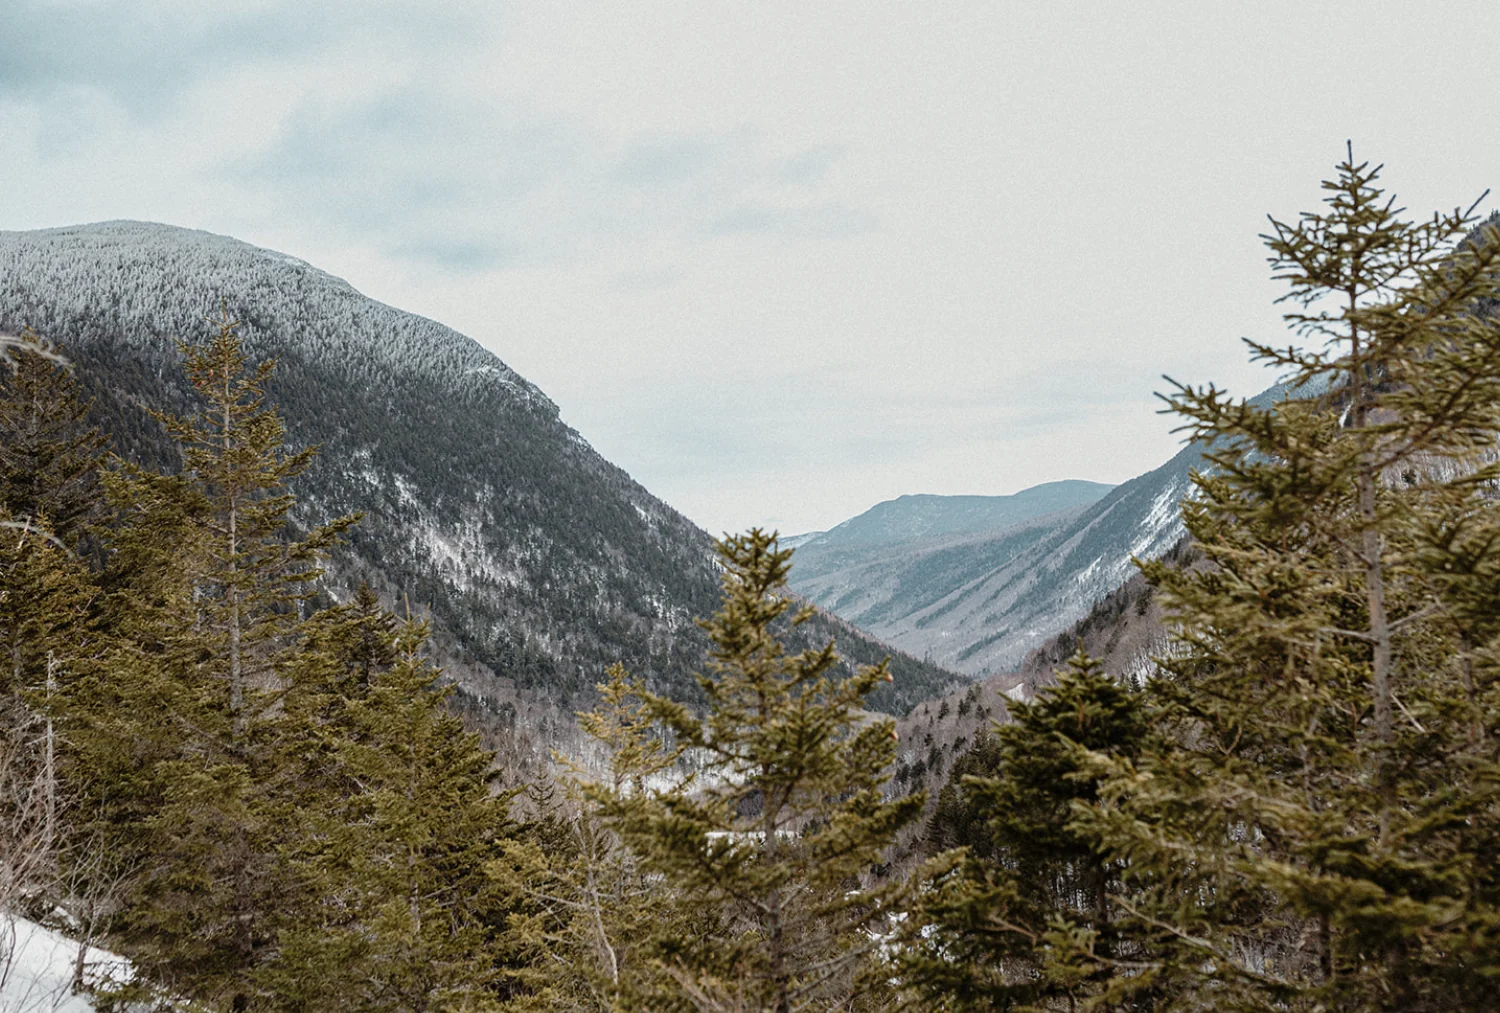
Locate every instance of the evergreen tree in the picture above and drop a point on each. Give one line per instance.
(47, 634)
(249, 574)
(50, 457)
(776, 837)
(391, 860)
(598, 906)
(49, 465)
(1318, 826)
(996, 927)
(177, 733)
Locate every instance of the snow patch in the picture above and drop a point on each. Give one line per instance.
(36, 969)
(1165, 514)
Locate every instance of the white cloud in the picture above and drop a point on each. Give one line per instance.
(778, 260)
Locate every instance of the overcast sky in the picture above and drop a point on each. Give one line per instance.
(780, 261)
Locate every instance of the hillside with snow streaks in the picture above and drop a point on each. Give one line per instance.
(979, 602)
(540, 562)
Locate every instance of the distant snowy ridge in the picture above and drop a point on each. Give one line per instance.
(978, 601)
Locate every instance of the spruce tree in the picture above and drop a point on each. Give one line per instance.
(249, 574)
(996, 928)
(178, 733)
(1318, 827)
(50, 461)
(50, 500)
(776, 835)
(394, 826)
(50, 456)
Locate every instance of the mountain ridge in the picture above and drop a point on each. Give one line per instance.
(981, 603)
(916, 516)
(540, 561)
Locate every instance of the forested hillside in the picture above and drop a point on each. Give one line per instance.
(540, 562)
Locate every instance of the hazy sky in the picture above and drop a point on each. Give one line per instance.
(780, 261)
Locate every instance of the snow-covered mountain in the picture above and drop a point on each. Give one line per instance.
(979, 600)
(541, 562)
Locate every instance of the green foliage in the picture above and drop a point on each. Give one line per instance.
(997, 923)
(202, 583)
(246, 572)
(1317, 826)
(772, 842)
(286, 815)
(596, 910)
(393, 908)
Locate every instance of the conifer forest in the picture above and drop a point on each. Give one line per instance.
(246, 773)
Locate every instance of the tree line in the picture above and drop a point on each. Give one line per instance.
(257, 793)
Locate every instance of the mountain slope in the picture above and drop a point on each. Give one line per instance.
(933, 520)
(541, 562)
(979, 602)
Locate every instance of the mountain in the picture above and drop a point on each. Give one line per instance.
(979, 600)
(541, 563)
(917, 518)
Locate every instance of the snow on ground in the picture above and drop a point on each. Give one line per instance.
(36, 969)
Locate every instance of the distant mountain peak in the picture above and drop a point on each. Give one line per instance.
(917, 516)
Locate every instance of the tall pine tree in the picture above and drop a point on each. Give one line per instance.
(1319, 827)
(777, 834)
(179, 734)
(997, 928)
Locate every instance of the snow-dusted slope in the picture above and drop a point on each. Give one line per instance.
(979, 602)
(541, 562)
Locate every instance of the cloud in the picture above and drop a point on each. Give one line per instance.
(829, 221)
(463, 182)
(365, 120)
(461, 255)
(656, 162)
(810, 164)
(147, 55)
(430, 177)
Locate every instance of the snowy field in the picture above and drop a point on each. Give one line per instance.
(36, 969)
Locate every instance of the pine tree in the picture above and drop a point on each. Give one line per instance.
(395, 829)
(997, 927)
(50, 457)
(249, 573)
(1319, 827)
(776, 837)
(177, 734)
(49, 633)
(597, 906)
(50, 460)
